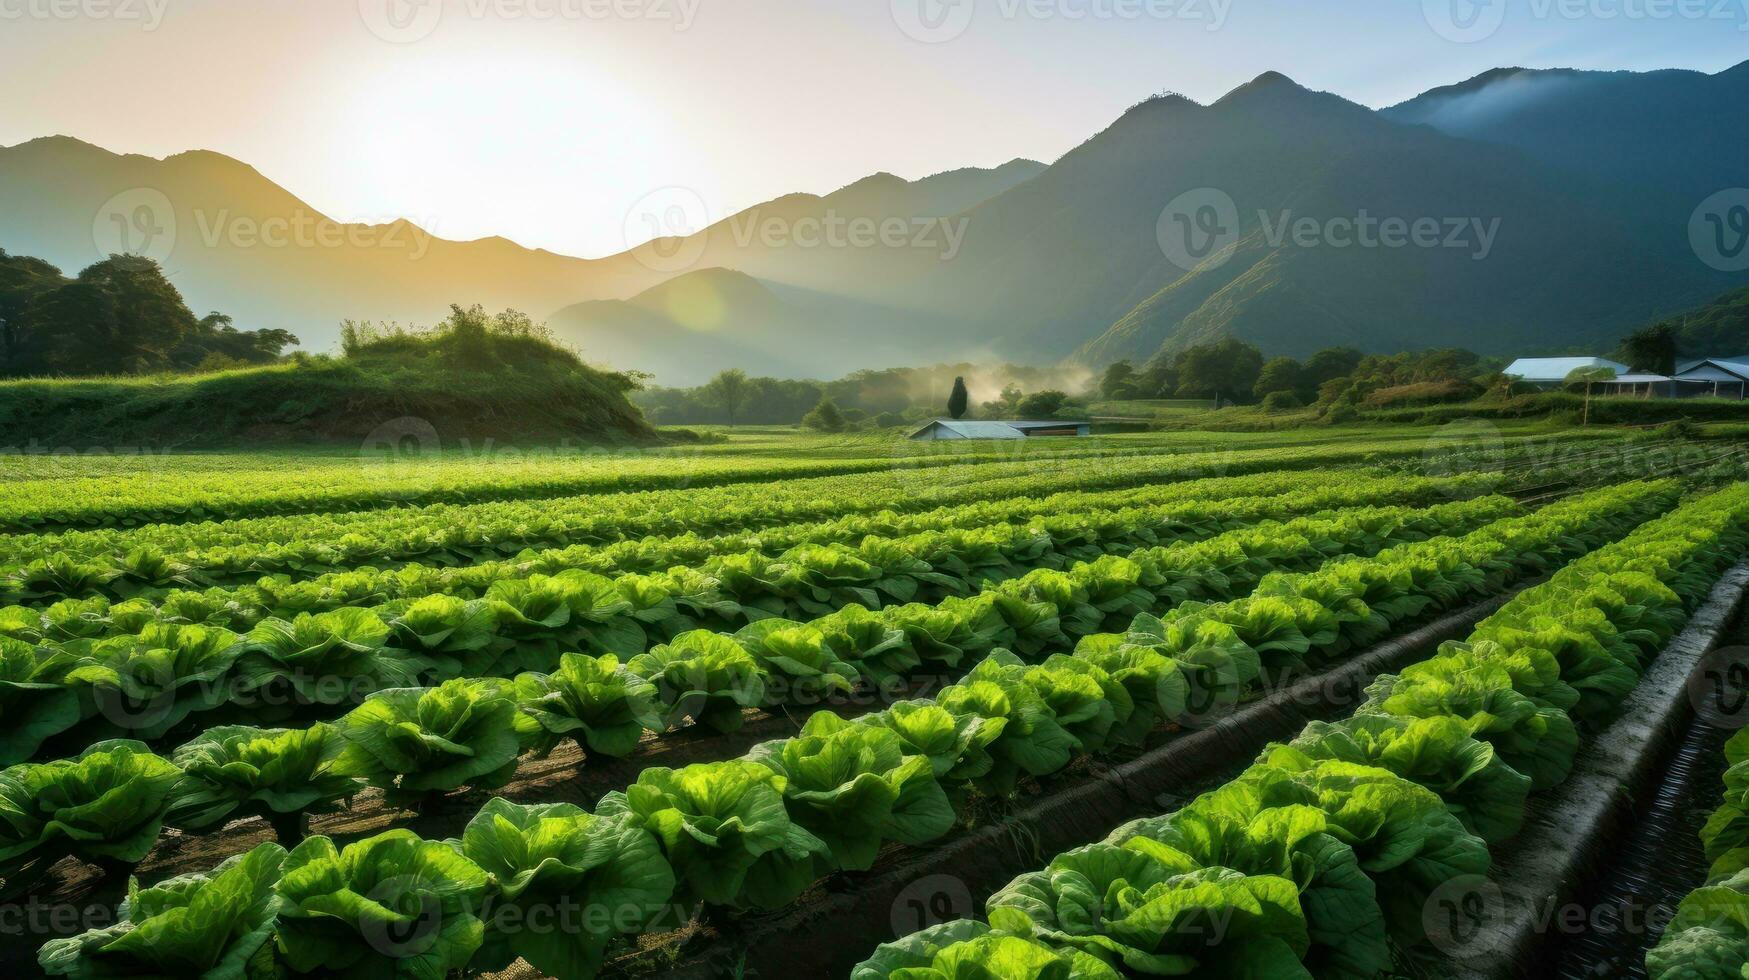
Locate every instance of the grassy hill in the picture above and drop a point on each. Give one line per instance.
(474, 378)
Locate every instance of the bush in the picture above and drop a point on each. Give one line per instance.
(1277, 402)
(1423, 393)
(824, 417)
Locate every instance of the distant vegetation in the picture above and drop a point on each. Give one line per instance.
(119, 316)
(870, 399)
(474, 376)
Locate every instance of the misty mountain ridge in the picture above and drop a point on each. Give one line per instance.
(1583, 184)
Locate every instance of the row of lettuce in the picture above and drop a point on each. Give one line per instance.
(1709, 934)
(90, 669)
(497, 528)
(389, 476)
(418, 742)
(1343, 847)
(756, 831)
(601, 546)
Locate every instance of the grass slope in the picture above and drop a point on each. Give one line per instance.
(511, 389)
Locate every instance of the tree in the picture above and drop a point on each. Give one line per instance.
(1227, 368)
(1332, 362)
(728, 390)
(120, 316)
(1042, 404)
(957, 402)
(1589, 376)
(1006, 403)
(1280, 374)
(825, 417)
(22, 280)
(1651, 349)
(1119, 381)
(1159, 378)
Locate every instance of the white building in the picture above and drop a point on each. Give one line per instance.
(1549, 373)
(1720, 377)
(943, 429)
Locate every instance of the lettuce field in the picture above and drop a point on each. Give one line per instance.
(1325, 703)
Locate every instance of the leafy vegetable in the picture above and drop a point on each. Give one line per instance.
(207, 926)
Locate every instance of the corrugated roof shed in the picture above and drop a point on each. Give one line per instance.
(1557, 368)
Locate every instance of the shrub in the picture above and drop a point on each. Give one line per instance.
(1281, 401)
(1423, 393)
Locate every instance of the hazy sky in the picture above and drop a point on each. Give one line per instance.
(547, 121)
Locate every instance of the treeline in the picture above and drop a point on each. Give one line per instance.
(868, 398)
(118, 316)
(1336, 379)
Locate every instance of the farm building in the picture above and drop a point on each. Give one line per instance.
(1549, 373)
(1720, 377)
(944, 429)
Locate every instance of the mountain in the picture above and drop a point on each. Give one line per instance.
(1676, 137)
(687, 329)
(1718, 329)
(1520, 256)
(232, 240)
(1560, 204)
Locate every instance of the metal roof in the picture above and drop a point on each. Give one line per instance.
(968, 429)
(1640, 379)
(1738, 366)
(1557, 368)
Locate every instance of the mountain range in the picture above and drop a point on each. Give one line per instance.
(1521, 210)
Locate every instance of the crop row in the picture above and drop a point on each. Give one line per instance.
(1330, 852)
(1709, 935)
(152, 668)
(473, 529)
(756, 831)
(1170, 510)
(391, 478)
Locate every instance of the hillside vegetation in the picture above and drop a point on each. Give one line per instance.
(474, 377)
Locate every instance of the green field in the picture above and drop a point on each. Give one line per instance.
(371, 713)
